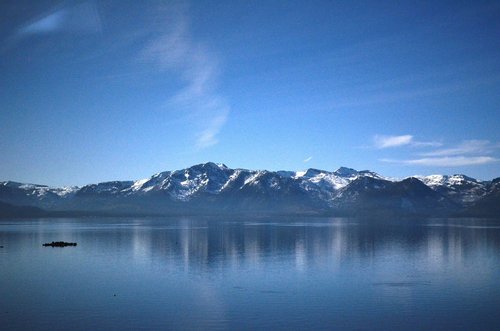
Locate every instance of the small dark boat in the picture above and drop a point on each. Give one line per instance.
(59, 244)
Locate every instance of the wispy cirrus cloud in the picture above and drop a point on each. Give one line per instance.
(80, 18)
(447, 161)
(427, 143)
(174, 49)
(388, 141)
(208, 136)
(382, 141)
(467, 153)
(307, 159)
(466, 147)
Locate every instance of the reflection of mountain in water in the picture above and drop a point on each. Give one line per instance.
(212, 244)
(201, 273)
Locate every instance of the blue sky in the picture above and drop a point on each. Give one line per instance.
(106, 90)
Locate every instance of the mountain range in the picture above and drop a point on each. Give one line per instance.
(215, 189)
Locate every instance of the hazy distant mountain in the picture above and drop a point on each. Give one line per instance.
(459, 188)
(373, 196)
(8, 210)
(216, 189)
(488, 205)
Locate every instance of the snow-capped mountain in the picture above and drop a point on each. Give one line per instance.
(217, 178)
(459, 188)
(34, 195)
(489, 204)
(216, 188)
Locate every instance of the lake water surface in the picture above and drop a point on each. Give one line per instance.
(250, 274)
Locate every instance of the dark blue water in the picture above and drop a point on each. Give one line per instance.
(254, 274)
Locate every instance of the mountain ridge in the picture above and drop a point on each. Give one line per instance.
(214, 188)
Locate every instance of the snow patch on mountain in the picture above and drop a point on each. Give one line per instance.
(459, 188)
(138, 184)
(42, 191)
(253, 178)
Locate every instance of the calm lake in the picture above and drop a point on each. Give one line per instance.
(250, 274)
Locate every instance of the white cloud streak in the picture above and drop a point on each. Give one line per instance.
(468, 153)
(208, 136)
(447, 161)
(308, 159)
(175, 50)
(467, 147)
(81, 18)
(392, 141)
(427, 144)
(387, 141)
